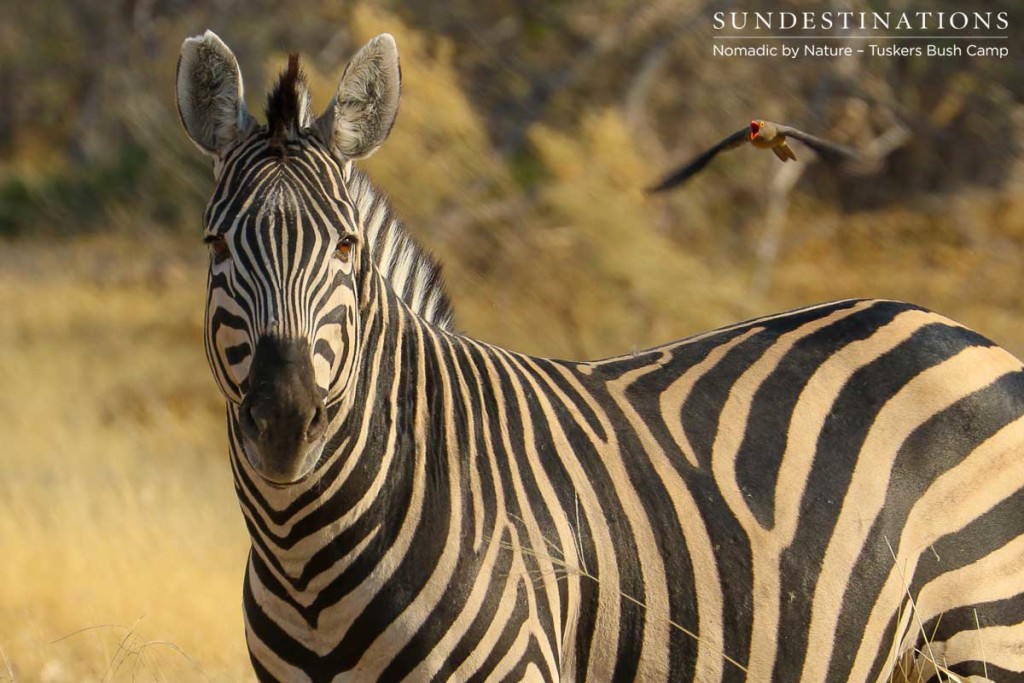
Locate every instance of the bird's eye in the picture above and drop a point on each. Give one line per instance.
(218, 248)
(344, 250)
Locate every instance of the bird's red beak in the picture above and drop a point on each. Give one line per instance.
(754, 128)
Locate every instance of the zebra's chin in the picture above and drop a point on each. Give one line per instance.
(281, 470)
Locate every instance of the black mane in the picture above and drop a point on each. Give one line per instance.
(284, 104)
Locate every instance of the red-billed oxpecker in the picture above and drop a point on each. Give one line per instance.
(763, 135)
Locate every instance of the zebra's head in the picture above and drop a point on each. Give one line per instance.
(282, 319)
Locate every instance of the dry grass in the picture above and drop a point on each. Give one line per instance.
(116, 504)
(925, 660)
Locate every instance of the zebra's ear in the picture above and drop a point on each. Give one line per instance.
(362, 112)
(209, 93)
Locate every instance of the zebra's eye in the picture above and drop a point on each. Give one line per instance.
(218, 248)
(345, 244)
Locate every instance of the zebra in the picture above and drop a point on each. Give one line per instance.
(834, 493)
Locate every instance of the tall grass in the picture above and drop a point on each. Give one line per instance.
(122, 545)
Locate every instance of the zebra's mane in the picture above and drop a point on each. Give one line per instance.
(288, 105)
(413, 272)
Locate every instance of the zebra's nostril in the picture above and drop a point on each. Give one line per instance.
(317, 424)
(262, 417)
(254, 424)
(246, 422)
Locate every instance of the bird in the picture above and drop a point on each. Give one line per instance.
(763, 135)
(766, 135)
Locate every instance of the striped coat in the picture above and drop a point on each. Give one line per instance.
(662, 516)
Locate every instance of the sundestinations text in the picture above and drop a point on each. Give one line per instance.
(847, 20)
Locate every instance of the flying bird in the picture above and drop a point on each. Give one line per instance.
(763, 135)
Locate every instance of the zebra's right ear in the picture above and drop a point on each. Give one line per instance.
(209, 93)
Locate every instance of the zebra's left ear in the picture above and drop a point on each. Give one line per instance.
(362, 112)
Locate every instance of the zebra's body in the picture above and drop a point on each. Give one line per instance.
(756, 503)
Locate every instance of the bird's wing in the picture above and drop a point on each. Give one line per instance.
(829, 151)
(683, 173)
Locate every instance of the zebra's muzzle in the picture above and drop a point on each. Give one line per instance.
(282, 416)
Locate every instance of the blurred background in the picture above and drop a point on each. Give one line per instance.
(526, 135)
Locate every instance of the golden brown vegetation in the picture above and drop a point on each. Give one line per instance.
(521, 148)
(115, 512)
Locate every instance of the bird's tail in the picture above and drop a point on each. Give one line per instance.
(784, 152)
